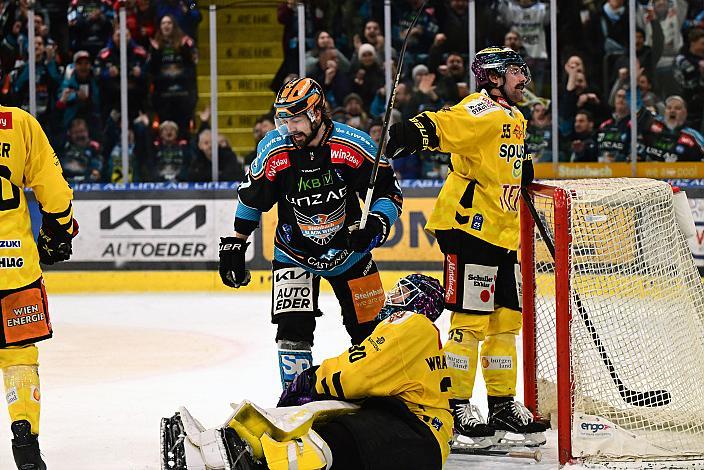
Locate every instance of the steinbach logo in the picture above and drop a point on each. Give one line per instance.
(156, 219)
(369, 294)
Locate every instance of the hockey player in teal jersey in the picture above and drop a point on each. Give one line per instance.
(314, 170)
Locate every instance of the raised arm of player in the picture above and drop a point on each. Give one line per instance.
(44, 175)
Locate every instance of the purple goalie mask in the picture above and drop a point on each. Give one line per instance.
(416, 293)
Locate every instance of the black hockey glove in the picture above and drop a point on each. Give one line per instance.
(232, 266)
(372, 235)
(54, 242)
(411, 136)
(301, 390)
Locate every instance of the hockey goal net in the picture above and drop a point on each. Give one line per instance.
(613, 323)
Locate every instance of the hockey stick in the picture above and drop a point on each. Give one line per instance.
(459, 448)
(651, 398)
(385, 125)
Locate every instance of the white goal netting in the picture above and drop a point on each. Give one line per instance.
(634, 290)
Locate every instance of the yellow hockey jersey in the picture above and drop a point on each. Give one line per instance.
(480, 195)
(26, 160)
(402, 358)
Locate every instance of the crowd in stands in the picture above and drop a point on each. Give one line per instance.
(78, 77)
(77, 50)
(594, 97)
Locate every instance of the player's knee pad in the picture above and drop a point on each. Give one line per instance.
(19, 355)
(505, 320)
(308, 452)
(294, 358)
(499, 364)
(461, 351)
(22, 393)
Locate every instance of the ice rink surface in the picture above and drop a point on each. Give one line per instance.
(119, 363)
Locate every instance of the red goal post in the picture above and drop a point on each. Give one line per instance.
(599, 361)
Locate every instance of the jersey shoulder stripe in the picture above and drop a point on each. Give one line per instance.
(272, 144)
(359, 140)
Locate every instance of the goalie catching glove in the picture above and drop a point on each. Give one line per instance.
(374, 233)
(232, 263)
(55, 242)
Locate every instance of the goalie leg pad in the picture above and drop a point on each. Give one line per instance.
(204, 444)
(186, 445)
(308, 452)
(173, 454)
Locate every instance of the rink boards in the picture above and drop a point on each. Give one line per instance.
(164, 237)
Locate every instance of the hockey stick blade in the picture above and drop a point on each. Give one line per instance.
(491, 452)
(385, 124)
(650, 398)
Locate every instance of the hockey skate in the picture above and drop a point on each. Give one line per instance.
(514, 424)
(187, 445)
(25, 447)
(470, 429)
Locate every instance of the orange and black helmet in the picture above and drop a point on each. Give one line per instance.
(299, 96)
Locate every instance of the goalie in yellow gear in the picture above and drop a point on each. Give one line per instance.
(382, 404)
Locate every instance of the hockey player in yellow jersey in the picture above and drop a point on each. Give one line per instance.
(398, 418)
(475, 221)
(27, 161)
